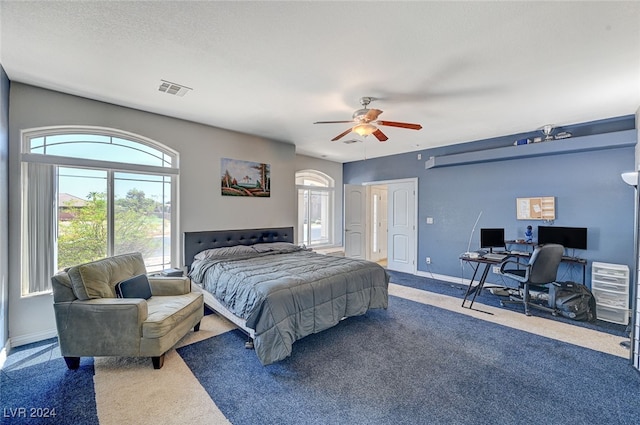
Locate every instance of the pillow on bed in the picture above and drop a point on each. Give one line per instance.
(227, 251)
(276, 246)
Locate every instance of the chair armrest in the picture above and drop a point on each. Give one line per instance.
(165, 285)
(92, 326)
(506, 261)
(506, 273)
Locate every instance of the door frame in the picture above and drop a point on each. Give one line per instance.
(414, 181)
(383, 240)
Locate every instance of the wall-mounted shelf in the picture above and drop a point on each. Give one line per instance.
(619, 139)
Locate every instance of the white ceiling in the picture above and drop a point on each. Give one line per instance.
(464, 70)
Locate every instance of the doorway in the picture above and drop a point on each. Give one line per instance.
(380, 223)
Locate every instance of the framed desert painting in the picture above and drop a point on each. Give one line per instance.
(245, 178)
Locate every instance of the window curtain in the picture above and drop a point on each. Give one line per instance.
(41, 227)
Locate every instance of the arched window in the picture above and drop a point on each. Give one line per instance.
(91, 192)
(315, 207)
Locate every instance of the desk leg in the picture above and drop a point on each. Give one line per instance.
(470, 288)
(485, 272)
(478, 287)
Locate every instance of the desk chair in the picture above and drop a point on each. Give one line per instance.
(541, 270)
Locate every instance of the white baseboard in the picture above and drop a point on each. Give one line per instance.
(454, 279)
(443, 277)
(17, 341)
(3, 355)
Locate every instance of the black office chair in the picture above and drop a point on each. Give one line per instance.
(541, 270)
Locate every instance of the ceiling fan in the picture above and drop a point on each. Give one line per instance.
(365, 119)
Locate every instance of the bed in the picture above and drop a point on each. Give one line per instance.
(278, 292)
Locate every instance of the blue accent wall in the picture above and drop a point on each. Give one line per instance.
(586, 184)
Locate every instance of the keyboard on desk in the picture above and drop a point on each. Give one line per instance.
(494, 256)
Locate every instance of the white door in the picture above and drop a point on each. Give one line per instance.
(401, 248)
(354, 221)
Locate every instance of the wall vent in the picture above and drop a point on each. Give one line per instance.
(173, 88)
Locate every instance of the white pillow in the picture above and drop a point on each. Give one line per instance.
(228, 251)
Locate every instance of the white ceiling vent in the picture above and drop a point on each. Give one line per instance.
(173, 88)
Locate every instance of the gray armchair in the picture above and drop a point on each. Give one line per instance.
(541, 270)
(91, 321)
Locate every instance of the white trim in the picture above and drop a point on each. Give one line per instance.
(451, 279)
(406, 180)
(443, 277)
(3, 354)
(32, 337)
(94, 163)
(317, 174)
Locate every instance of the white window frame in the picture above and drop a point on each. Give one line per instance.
(171, 170)
(324, 184)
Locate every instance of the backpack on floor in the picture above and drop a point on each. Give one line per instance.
(573, 300)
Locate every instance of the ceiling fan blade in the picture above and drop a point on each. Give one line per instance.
(380, 135)
(341, 134)
(400, 124)
(332, 122)
(372, 115)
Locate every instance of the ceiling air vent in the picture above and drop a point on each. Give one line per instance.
(173, 88)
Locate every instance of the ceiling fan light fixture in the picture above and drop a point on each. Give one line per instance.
(365, 129)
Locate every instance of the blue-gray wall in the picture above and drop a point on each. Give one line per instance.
(587, 187)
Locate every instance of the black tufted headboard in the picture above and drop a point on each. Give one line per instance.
(194, 242)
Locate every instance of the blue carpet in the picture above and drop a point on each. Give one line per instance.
(487, 298)
(37, 388)
(416, 363)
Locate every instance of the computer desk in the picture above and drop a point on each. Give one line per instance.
(477, 262)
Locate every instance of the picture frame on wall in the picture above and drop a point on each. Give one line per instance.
(245, 178)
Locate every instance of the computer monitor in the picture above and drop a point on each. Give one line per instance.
(492, 238)
(569, 237)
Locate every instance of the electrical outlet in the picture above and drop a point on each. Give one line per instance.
(496, 269)
(428, 259)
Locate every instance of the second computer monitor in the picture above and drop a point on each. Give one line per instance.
(492, 238)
